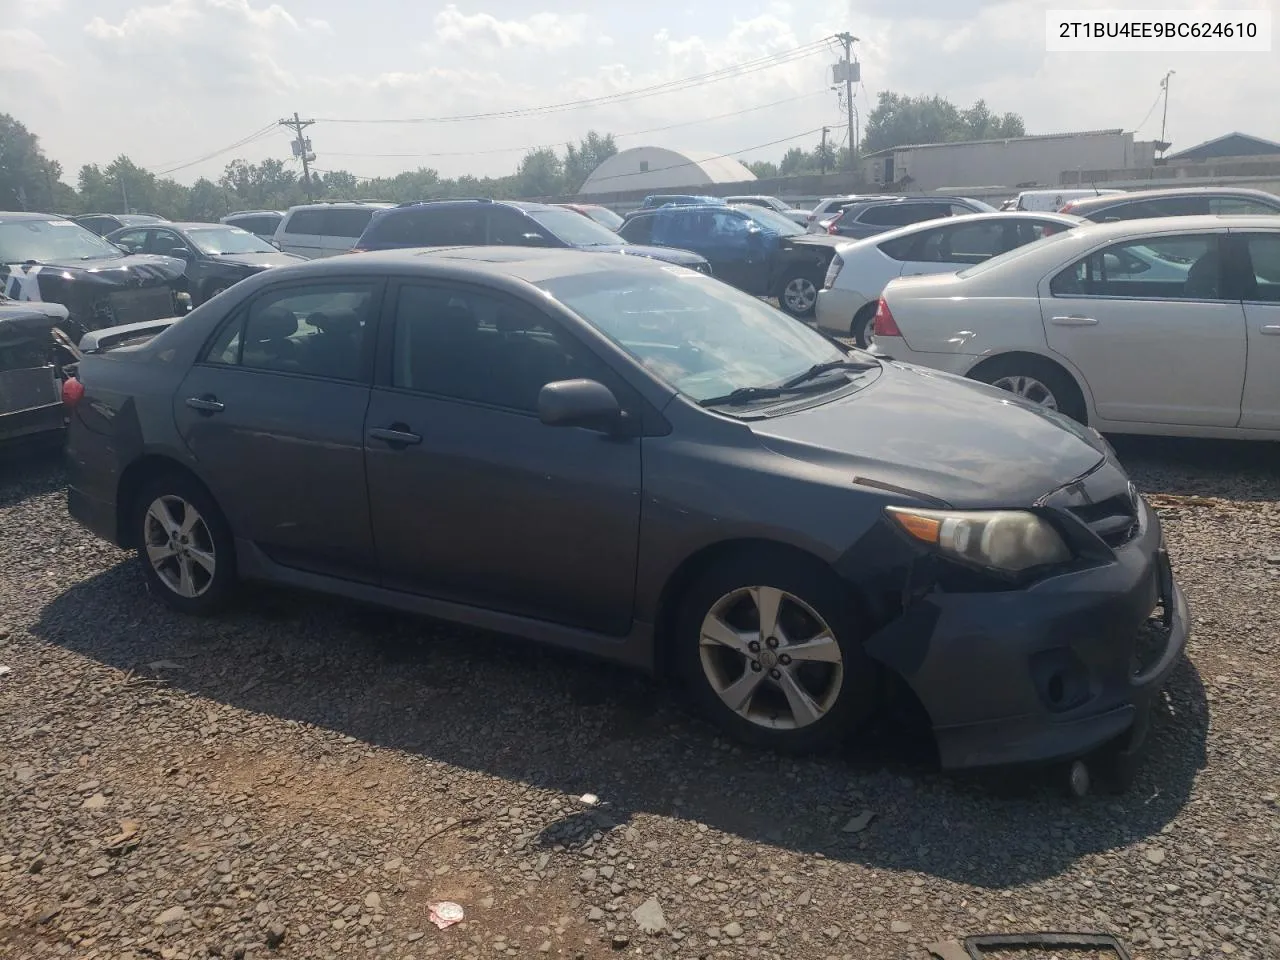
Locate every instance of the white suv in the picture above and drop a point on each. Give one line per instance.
(316, 230)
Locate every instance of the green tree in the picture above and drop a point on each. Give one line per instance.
(28, 179)
(763, 169)
(898, 120)
(541, 174)
(206, 201)
(580, 161)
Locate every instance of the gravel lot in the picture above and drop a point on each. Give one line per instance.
(303, 778)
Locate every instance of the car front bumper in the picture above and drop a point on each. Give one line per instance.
(1050, 672)
(836, 308)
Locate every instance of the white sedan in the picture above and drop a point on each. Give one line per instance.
(1166, 326)
(860, 269)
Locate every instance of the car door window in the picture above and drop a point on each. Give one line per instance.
(463, 345)
(133, 241)
(1160, 268)
(1264, 252)
(345, 222)
(883, 215)
(968, 244)
(318, 330)
(637, 230)
(728, 227)
(304, 222)
(1234, 206)
(511, 228)
(164, 242)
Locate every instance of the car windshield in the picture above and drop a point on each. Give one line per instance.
(574, 229)
(216, 240)
(771, 220)
(1014, 254)
(52, 241)
(699, 335)
(605, 217)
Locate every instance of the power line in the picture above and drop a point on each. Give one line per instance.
(547, 146)
(737, 70)
(1154, 103)
(244, 141)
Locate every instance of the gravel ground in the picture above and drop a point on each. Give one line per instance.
(304, 778)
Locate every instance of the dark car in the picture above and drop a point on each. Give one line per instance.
(655, 200)
(754, 249)
(636, 461)
(52, 259)
(261, 223)
(866, 218)
(217, 255)
(455, 223)
(601, 215)
(104, 223)
(30, 374)
(1183, 202)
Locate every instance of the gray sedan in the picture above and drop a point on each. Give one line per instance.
(631, 459)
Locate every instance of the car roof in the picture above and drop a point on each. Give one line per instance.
(252, 213)
(14, 215)
(329, 204)
(1065, 219)
(1109, 199)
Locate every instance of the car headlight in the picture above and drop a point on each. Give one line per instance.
(833, 271)
(1008, 541)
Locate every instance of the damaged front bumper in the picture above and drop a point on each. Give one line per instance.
(1052, 671)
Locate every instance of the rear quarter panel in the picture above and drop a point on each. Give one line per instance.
(947, 314)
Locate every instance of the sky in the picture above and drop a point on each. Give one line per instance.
(173, 83)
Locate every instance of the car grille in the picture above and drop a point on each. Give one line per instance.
(29, 388)
(134, 306)
(1114, 520)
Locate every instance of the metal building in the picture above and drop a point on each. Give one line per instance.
(656, 169)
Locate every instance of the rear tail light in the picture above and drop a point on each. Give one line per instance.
(357, 250)
(1067, 207)
(72, 391)
(884, 325)
(833, 271)
(831, 227)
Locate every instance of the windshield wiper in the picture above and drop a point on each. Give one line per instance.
(799, 383)
(818, 369)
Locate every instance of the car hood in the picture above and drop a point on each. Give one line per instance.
(684, 258)
(940, 436)
(258, 261)
(131, 270)
(17, 312)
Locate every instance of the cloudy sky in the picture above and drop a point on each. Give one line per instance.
(169, 82)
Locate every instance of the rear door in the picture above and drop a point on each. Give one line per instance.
(1260, 404)
(274, 413)
(301, 233)
(949, 248)
(1152, 325)
(474, 500)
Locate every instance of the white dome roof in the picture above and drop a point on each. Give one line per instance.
(657, 169)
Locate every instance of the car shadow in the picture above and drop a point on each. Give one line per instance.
(1180, 466)
(528, 714)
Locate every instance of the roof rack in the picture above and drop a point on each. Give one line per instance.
(414, 203)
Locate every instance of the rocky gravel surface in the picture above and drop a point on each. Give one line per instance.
(303, 778)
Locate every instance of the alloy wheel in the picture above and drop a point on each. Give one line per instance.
(771, 658)
(179, 546)
(799, 295)
(1029, 388)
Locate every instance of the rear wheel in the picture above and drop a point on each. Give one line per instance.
(1037, 380)
(184, 544)
(863, 325)
(770, 648)
(798, 295)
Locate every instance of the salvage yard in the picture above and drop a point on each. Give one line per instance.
(305, 778)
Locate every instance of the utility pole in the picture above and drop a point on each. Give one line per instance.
(852, 73)
(124, 193)
(1164, 85)
(301, 148)
(822, 152)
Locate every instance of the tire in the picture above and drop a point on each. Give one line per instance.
(1033, 377)
(846, 691)
(208, 538)
(798, 294)
(860, 329)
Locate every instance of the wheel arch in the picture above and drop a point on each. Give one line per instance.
(132, 479)
(1060, 363)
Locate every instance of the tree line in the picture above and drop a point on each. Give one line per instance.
(30, 180)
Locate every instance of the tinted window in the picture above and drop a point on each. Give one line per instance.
(100, 225)
(1162, 268)
(164, 242)
(1264, 251)
(1189, 206)
(309, 222)
(573, 228)
(512, 228)
(969, 243)
(346, 222)
(131, 240)
(470, 346)
(259, 225)
(1227, 206)
(901, 214)
(319, 330)
(637, 230)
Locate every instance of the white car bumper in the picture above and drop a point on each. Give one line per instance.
(836, 308)
(895, 348)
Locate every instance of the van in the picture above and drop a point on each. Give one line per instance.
(1052, 201)
(315, 230)
(261, 223)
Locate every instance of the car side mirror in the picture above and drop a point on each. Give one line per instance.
(579, 403)
(274, 242)
(181, 253)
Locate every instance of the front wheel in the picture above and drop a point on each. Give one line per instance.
(184, 544)
(770, 648)
(798, 295)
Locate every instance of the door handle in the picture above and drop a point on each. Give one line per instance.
(1271, 329)
(206, 404)
(394, 435)
(1075, 321)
